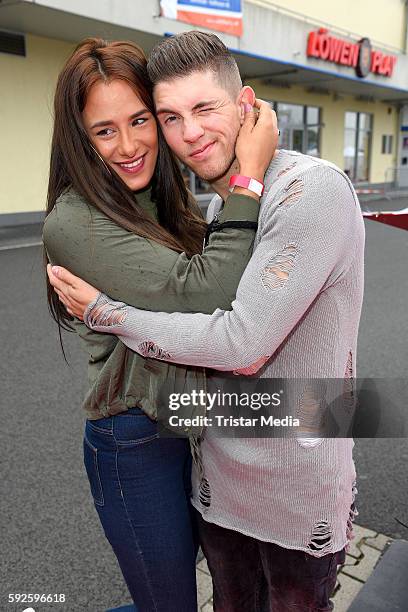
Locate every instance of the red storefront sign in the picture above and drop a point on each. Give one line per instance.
(359, 55)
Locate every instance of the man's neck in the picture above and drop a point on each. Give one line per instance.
(221, 185)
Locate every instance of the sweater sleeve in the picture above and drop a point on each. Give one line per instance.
(307, 244)
(144, 273)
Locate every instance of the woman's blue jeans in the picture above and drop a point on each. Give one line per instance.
(141, 487)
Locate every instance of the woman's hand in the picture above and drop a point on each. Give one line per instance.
(72, 291)
(257, 140)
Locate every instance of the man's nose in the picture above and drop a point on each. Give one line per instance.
(192, 130)
(127, 145)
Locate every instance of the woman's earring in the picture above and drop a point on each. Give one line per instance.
(101, 158)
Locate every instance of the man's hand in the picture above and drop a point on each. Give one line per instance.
(257, 140)
(72, 291)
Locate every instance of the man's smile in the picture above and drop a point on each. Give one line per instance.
(202, 152)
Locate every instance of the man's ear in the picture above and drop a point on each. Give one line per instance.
(246, 96)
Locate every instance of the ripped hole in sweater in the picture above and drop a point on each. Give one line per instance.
(151, 349)
(352, 515)
(106, 315)
(204, 494)
(310, 412)
(349, 366)
(293, 192)
(277, 270)
(321, 539)
(286, 170)
(348, 389)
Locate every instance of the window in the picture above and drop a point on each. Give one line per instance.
(357, 145)
(386, 146)
(12, 43)
(300, 127)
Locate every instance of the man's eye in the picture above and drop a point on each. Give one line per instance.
(139, 121)
(105, 132)
(170, 119)
(206, 110)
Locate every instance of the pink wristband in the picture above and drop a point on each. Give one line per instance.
(237, 180)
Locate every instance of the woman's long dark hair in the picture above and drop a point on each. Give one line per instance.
(75, 163)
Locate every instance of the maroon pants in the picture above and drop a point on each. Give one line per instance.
(253, 576)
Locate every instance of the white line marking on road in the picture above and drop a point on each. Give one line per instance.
(20, 246)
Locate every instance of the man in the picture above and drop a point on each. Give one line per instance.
(277, 511)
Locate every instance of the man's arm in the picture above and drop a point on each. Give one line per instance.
(306, 246)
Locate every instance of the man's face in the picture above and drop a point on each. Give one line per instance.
(200, 121)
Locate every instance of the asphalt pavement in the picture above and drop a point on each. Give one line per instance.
(50, 537)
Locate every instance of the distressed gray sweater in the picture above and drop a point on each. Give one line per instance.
(295, 315)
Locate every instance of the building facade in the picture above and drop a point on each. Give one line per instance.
(336, 73)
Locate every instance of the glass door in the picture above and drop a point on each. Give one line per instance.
(300, 127)
(357, 145)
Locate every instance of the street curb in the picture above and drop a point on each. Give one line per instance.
(386, 587)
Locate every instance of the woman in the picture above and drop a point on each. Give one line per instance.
(120, 217)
